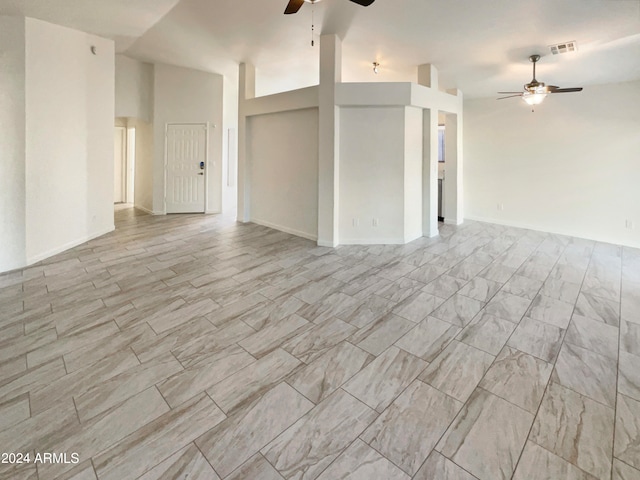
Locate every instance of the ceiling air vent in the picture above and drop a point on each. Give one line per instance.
(566, 47)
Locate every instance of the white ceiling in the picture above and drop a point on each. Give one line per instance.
(478, 47)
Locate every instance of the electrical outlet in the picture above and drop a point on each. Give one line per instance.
(629, 224)
(356, 222)
(375, 222)
(500, 207)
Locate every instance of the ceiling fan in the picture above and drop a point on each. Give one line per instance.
(534, 91)
(294, 5)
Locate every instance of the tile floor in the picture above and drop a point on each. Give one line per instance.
(192, 347)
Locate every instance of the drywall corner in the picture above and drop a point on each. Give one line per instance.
(13, 142)
(69, 137)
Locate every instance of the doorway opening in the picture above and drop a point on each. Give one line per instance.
(441, 161)
(124, 157)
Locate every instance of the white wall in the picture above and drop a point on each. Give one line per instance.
(283, 152)
(230, 146)
(183, 95)
(69, 138)
(134, 88)
(12, 143)
(372, 141)
(571, 167)
(413, 173)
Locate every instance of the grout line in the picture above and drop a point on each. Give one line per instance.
(615, 409)
(505, 344)
(553, 365)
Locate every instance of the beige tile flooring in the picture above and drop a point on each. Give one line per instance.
(192, 347)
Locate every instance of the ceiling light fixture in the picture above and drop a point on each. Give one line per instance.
(375, 67)
(534, 98)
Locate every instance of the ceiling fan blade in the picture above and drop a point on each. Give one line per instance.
(510, 96)
(508, 93)
(293, 6)
(565, 90)
(364, 3)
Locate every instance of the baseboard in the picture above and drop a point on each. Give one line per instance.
(281, 228)
(324, 243)
(145, 210)
(567, 233)
(68, 245)
(374, 241)
(411, 237)
(449, 221)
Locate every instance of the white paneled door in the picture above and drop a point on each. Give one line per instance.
(186, 168)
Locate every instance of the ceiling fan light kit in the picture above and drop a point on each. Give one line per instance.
(535, 92)
(533, 98)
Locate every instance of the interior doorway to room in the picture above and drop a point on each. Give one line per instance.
(123, 164)
(441, 160)
(119, 164)
(185, 168)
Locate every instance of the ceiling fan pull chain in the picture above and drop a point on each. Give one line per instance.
(312, 22)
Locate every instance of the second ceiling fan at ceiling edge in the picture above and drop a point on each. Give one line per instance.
(294, 5)
(535, 92)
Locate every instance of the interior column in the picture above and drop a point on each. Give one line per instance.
(428, 77)
(454, 201)
(246, 91)
(329, 141)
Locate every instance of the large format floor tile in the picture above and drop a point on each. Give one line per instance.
(242, 435)
(588, 373)
(407, 431)
(383, 379)
(537, 463)
(519, 378)
(192, 346)
(440, 467)
(457, 370)
(361, 462)
(311, 444)
(577, 429)
(487, 436)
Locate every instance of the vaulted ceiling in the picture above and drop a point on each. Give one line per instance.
(478, 47)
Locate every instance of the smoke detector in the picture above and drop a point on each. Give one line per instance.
(566, 47)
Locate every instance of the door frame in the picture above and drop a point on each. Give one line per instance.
(124, 152)
(206, 159)
(130, 176)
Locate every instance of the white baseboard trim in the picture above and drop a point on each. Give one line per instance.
(324, 243)
(527, 226)
(497, 221)
(567, 233)
(68, 245)
(414, 236)
(373, 241)
(449, 221)
(144, 209)
(281, 228)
